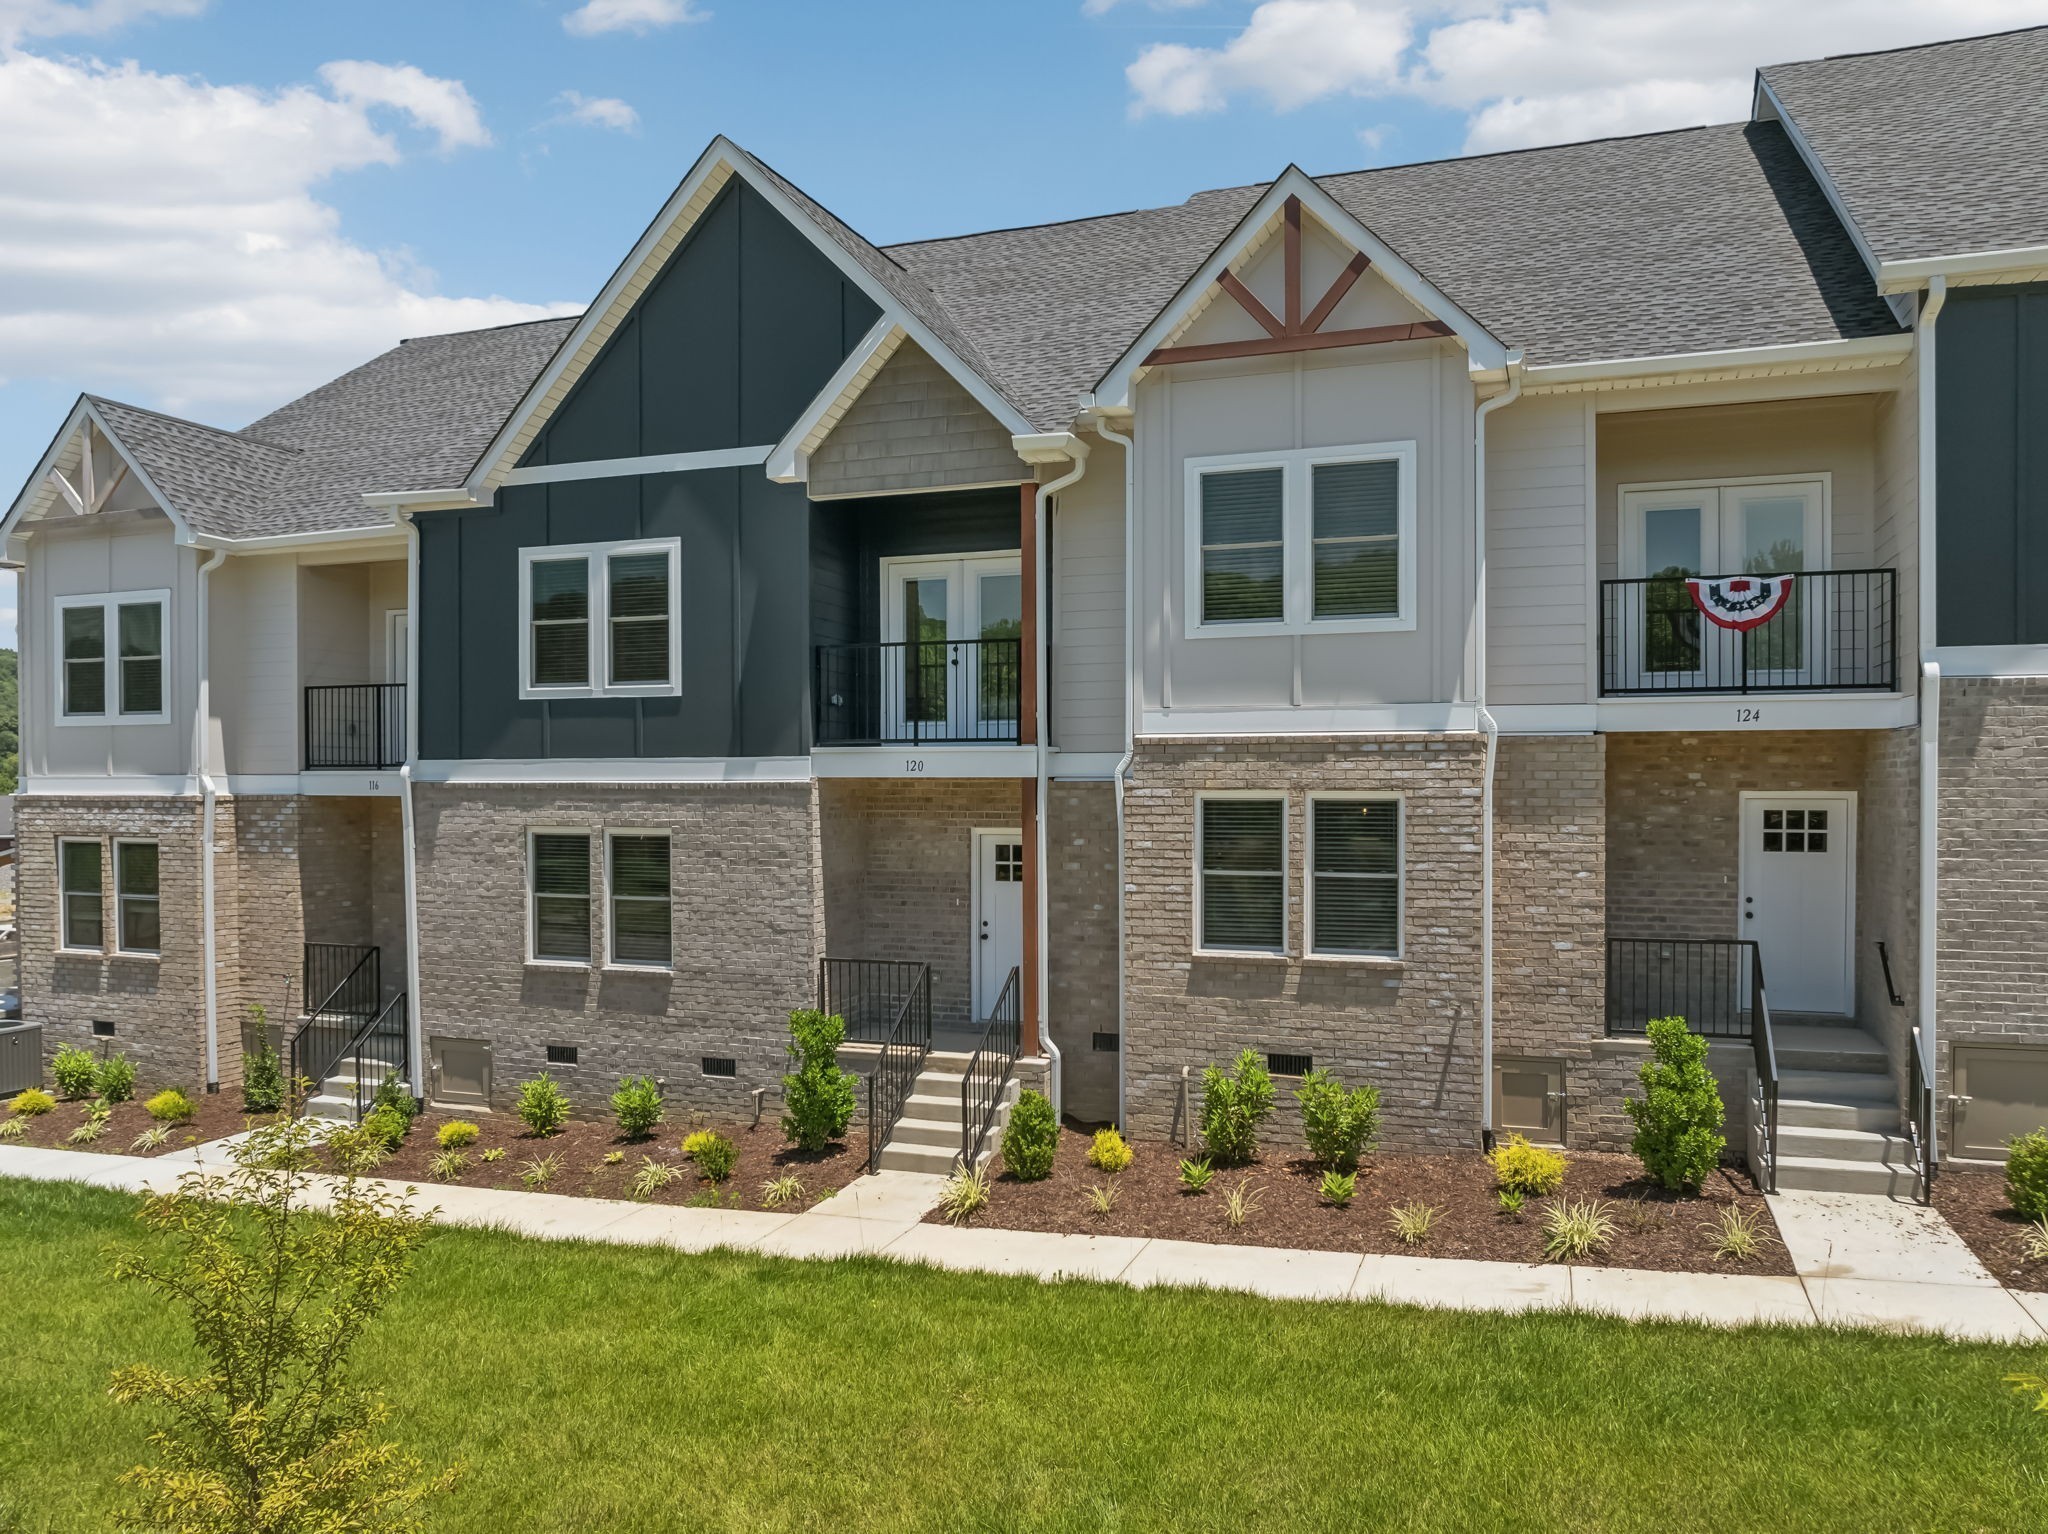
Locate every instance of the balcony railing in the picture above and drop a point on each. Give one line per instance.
(357, 728)
(1836, 633)
(920, 692)
(1713, 983)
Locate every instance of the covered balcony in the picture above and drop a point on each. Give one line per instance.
(355, 727)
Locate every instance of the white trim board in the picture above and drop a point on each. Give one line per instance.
(914, 761)
(598, 770)
(1385, 719)
(652, 463)
(1990, 660)
(789, 459)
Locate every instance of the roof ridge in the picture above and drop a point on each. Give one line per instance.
(1878, 53)
(179, 420)
(478, 330)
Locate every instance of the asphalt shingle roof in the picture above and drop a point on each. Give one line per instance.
(1936, 151)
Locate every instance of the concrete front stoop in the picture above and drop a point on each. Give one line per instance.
(927, 1137)
(1838, 1114)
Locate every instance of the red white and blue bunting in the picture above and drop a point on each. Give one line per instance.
(1740, 601)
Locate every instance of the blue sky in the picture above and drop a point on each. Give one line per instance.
(223, 204)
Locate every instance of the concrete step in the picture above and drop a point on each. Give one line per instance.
(1814, 1086)
(900, 1157)
(1809, 1113)
(1844, 1145)
(928, 1131)
(328, 1105)
(1820, 1047)
(1812, 1174)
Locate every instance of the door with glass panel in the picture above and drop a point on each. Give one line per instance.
(953, 663)
(1720, 530)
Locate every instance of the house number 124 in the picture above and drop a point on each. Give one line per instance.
(1749, 716)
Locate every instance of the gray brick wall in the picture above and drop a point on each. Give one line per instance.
(913, 428)
(1081, 894)
(1888, 888)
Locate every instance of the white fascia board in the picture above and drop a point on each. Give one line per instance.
(869, 355)
(651, 463)
(1049, 447)
(1803, 356)
(1484, 349)
(674, 769)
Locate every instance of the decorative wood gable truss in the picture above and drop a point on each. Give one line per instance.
(87, 471)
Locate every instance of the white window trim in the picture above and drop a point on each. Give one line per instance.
(1297, 531)
(1308, 880)
(533, 954)
(1269, 796)
(64, 943)
(119, 944)
(109, 602)
(611, 937)
(595, 557)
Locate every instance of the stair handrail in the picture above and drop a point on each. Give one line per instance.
(1765, 1050)
(1920, 1113)
(320, 1042)
(365, 1051)
(988, 1071)
(1891, 989)
(899, 1064)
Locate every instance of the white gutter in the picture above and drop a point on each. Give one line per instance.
(1930, 695)
(1802, 356)
(416, 1043)
(202, 710)
(1491, 730)
(1040, 448)
(1123, 765)
(2017, 263)
(372, 534)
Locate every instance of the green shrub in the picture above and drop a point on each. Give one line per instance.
(696, 1140)
(1519, 1167)
(384, 1129)
(538, 1171)
(1110, 1151)
(170, 1106)
(1337, 1188)
(1032, 1138)
(637, 1106)
(448, 1165)
(2026, 1174)
(1678, 1119)
(964, 1194)
(393, 1097)
(456, 1134)
(1576, 1229)
(543, 1106)
(716, 1158)
(786, 1189)
(35, 1101)
(817, 1098)
(1195, 1176)
(1412, 1223)
(1233, 1107)
(653, 1176)
(117, 1079)
(1241, 1202)
(12, 1129)
(262, 1071)
(77, 1073)
(1511, 1202)
(1340, 1125)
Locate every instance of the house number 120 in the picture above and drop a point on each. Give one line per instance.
(913, 764)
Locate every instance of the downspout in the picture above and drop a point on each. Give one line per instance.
(1078, 451)
(416, 1040)
(1123, 765)
(1930, 692)
(209, 792)
(1491, 730)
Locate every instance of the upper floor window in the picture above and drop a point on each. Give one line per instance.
(1319, 540)
(599, 620)
(110, 657)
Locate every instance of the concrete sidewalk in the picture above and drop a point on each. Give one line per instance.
(1861, 1260)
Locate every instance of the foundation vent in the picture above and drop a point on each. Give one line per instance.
(1290, 1065)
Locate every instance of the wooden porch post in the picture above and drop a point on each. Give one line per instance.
(1027, 734)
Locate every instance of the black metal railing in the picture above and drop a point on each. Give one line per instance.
(1836, 632)
(347, 979)
(381, 1049)
(360, 727)
(1712, 983)
(896, 1071)
(1920, 1113)
(1763, 1131)
(1891, 988)
(988, 1071)
(868, 994)
(921, 692)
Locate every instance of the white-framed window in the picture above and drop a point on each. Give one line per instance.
(137, 928)
(600, 620)
(1241, 873)
(1319, 540)
(638, 928)
(110, 658)
(80, 875)
(1354, 875)
(558, 896)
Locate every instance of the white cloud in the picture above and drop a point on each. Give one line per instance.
(597, 111)
(71, 18)
(160, 237)
(1104, 7)
(1540, 71)
(596, 17)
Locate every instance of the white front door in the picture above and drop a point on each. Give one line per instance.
(998, 914)
(1798, 879)
(959, 622)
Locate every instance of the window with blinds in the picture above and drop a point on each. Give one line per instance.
(639, 617)
(1354, 876)
(1243, 863)
(138, 927)
(78, 888)
(111, 654)
(85, 661)
(600, 619)
(1244, 566)
(639, 895)
(559, 593)
(558, 864)
(1355, 544)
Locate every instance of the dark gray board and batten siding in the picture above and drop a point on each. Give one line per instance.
(743, 327)
(1991, 467)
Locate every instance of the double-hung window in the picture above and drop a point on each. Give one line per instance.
(79, 875)
(1354, 885)
(137, 927)
(1241, 859)
(600, 620)
(637, 893)
(110, 658)
(558, 878)
(1317, 540)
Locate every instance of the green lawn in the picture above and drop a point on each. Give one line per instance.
(623, 1390)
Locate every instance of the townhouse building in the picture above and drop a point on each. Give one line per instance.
(1421, 622)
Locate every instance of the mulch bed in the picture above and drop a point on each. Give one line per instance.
(219, 1114)
(584, 1143)
(1653, 1229)
(1977, 1209)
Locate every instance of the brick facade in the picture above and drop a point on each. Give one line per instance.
(1082, 896)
